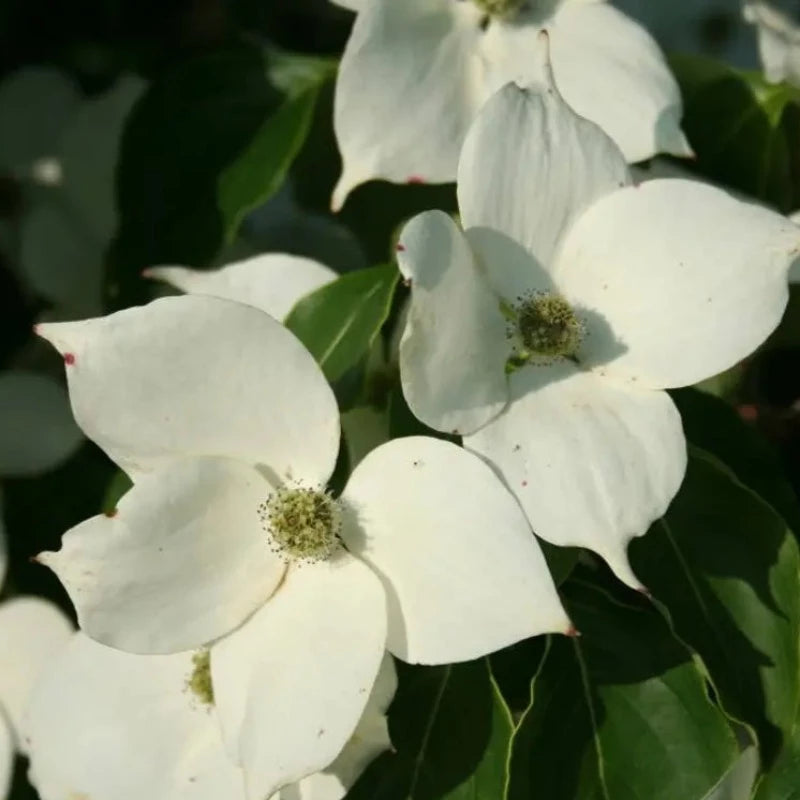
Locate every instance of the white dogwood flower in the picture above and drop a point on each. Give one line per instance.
(778, 38)
(229, 432)
(111, 725)
(546, 330)
(415, 73)
(32, 630)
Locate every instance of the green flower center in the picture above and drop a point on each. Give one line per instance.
(544, 326)
(303, 523)
(199, 682)
(499, 8)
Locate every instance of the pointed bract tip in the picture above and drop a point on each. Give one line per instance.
(572, 632)
(148, 273)
(42, 558)
(643, 590)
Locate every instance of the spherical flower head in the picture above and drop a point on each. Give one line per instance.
(499, 8)
(303, 523)
(544, 325)
(199, 682)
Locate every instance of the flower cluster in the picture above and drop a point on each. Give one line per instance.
(240, 608)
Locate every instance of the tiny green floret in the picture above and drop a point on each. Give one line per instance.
(199, 682)
(303, 523)
(500, 8)
(545, 327)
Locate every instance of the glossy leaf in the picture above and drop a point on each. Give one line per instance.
(620, 713)
(782, 782)
(259, 172)
(451, 730)
(193, 122)
(339, 321)
(713, 426)
(743, 129)
(726, 568)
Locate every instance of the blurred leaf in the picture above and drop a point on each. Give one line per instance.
(339, 321)
(294, 73)
(451, 731)
(259, 172)
(743, 129)
(191, 125)
(620, 713)
(713, 426)
(727, 570)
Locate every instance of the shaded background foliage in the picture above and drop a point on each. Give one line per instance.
(225, 121)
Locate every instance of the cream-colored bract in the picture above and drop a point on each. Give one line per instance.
(414, 75)
(273, 282)
(778, 39)
(211, 406)
(673, 280)
(110, 725)
(32, 631)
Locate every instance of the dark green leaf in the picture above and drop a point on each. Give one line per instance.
(451, 730)
(782, 782)
(727, 569)
(339, 322)
(743, 129)
(715, 427)
(193, 122)
(618, 714)
(115, 490)
(261, 169)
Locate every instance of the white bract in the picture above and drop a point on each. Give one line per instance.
(273, 282)
(110, 725)
(415, 73)
(546, 329)
(32, 630)
(778, 38)
(230, 434)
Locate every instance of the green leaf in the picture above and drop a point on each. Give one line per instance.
(782, 782)
(620, 713)
(339, 321)
(451, 732)
(713, 426)
(188, 141)
(294, 73)
(726, 568)
(261, 169)
(117, 487)
(742, 128)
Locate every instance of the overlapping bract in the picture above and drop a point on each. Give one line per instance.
(415, 74)
(210, 406)
(591, 445)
